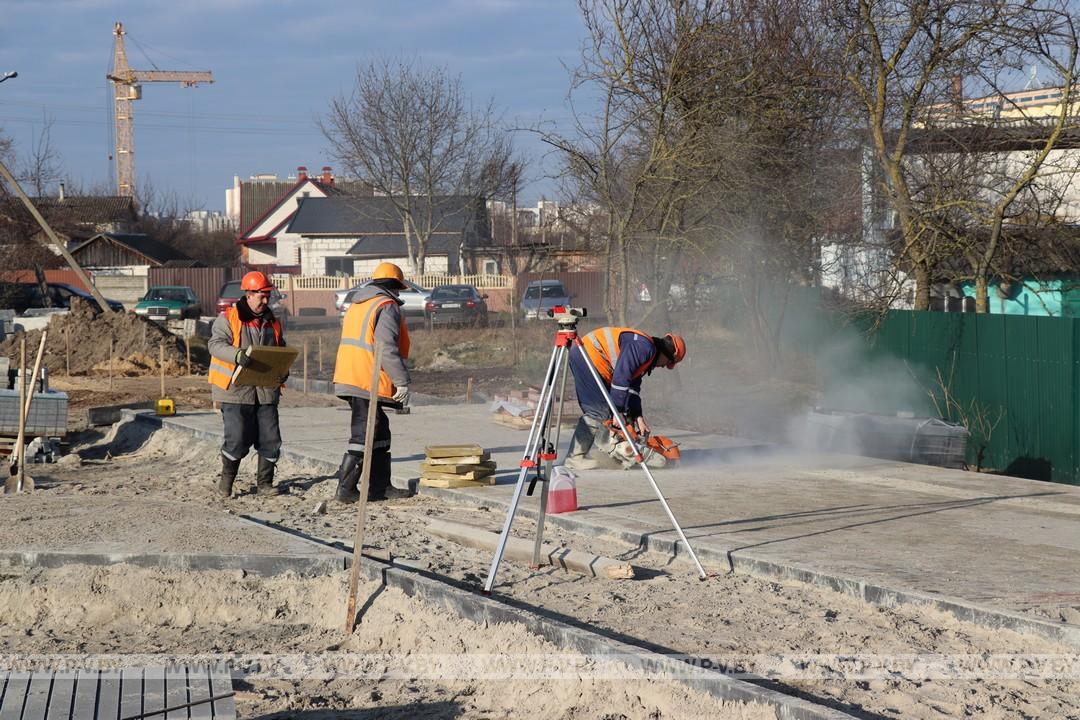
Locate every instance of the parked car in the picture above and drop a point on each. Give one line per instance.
(542, 295)
(169, 302)
(415, 298)
(21, 297)
(456, 305)
(230, 292)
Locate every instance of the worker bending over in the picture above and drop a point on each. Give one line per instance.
(375, 314)
(250, 413)
(622, 357)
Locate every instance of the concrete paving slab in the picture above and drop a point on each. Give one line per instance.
(1000, 551)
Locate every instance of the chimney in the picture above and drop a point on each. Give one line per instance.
(958, 93)
(61, 192)
(301, 173)
(327, 175)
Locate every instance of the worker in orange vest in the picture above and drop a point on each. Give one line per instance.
(375, 314)
(250, 413)
(622, 356)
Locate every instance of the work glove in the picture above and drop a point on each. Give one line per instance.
(242, 358)
(402, 395)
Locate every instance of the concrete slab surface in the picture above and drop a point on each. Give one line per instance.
(997, 550)
(49, 531)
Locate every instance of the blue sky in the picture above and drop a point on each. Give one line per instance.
(276, 64)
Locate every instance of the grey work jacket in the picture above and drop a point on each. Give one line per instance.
(221, 346)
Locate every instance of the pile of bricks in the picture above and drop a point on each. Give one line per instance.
(517, 408)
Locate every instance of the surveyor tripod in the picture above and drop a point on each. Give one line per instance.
(540, 452)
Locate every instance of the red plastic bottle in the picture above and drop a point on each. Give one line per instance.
(562, 491)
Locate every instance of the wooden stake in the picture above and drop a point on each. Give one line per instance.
(187, 351)
(161, 362)
(24, 484)
(14, 483)
(468, 392)
(305, 364)
(365, 483)
(112, 343)
(67, 350)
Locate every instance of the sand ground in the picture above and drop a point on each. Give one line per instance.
(747, 620)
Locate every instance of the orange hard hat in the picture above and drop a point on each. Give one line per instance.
(387, 272)
(678, 346)
(256, 281)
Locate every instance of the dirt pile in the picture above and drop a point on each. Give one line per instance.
(86, 334)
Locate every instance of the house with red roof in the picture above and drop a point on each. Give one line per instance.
(266, 239)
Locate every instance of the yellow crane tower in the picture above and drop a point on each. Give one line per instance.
(126, 90)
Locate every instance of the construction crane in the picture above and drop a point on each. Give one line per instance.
(127, 89)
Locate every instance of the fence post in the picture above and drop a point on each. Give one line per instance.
(292, 296)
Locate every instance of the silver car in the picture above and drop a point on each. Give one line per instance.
(415, 298)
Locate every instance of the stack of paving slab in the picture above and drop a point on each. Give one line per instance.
(456, 466)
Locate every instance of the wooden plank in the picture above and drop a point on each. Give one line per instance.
(199, 689)
(86, 689)
(62, 697)
(14, 695)
(221, 683)
(457, 469)
(154, 692)
(108, 705)
(477, 474)
(521, 550)
(37, 696)
(176, 691)
(130, 692)
(450, 451)
(460, 459)
(453, 483)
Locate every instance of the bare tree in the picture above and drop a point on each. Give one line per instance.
(413, 133)
(644, 154)
(41, 169)
(905, 59)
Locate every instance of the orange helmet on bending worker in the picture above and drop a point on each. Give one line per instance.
(677, 346)
(256, 281)
(388, 274)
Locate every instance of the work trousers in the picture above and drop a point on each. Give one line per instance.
(380, 450)
(248, 425)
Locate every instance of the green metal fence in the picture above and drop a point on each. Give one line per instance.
(1023, 372)
(1018, 372)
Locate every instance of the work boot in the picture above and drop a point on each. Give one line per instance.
(577, 457)
(264, 477)
(391, 493)
(228, 476)
(348, 475)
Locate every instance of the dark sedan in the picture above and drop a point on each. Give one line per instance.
(456, 305)
(22, 296)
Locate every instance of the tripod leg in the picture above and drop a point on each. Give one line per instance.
(640, 461)
(562, 364)
(529, 460)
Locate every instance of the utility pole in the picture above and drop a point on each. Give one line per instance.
(126, 90)
(58, 244)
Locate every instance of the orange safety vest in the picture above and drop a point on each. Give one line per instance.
(221, 371)
(602, 347)
(356, 352)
